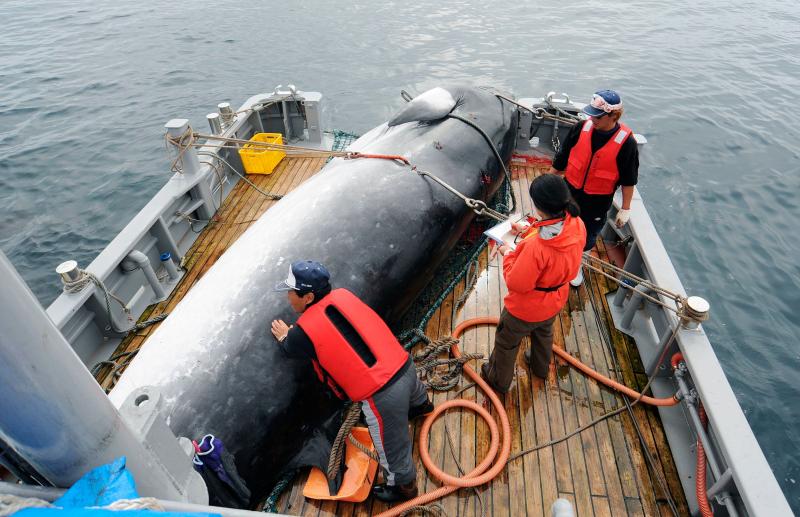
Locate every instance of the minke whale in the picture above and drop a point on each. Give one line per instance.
(380, 228)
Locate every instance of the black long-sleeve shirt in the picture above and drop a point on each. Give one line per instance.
(297, 344)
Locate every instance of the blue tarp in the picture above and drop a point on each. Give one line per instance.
(101, 486)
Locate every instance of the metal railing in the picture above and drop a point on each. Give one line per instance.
(741, 480)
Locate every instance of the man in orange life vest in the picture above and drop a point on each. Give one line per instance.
(597, 156)
(357, 356)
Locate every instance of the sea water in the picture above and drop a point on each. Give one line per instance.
(85, 90)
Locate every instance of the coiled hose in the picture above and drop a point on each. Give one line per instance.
(480, 475)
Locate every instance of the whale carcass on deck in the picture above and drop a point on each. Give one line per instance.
(380, 228)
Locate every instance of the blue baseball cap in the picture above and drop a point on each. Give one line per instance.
(603, 102)
(305, 275)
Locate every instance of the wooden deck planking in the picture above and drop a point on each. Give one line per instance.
(570, 402)
(470, 502)
(555, 415)
(603, 400)
(647, 416)
(452, 454)
(602, 470)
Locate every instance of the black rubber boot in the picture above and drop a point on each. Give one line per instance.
(527, 355)
(423, 409)
(395, 493)
(485, 377)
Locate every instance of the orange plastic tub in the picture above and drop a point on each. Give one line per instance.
(358, 476)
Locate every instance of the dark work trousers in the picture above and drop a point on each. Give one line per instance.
(386, 413)
(508, 335)
(594, 222)
(594, 211)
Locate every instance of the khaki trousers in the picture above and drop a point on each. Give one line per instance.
(508, 335)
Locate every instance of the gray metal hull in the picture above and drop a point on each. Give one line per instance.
(381, 230)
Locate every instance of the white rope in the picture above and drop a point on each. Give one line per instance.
(141, 503)
(10, 504)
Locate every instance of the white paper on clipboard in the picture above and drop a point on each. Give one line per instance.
(501, 234)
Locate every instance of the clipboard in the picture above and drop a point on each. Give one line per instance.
(501, 234)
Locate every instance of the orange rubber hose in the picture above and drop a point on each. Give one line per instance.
(671, 401)
(477, 476)
(700, 470)
(700, 473)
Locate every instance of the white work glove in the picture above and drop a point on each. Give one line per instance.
(622, 217)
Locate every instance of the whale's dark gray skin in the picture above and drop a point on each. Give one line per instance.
(381, 230)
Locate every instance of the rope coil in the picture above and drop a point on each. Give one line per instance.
(428, 362)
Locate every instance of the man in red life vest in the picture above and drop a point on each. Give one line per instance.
(357, 356)
(597, 156)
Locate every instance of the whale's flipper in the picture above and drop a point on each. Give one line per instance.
(435, 104)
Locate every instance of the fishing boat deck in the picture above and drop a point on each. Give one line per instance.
(603, 470)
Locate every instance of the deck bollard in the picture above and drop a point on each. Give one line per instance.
(226, 114)
(70, 272)
(214, 123)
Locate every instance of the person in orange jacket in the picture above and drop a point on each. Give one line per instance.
(537, 274)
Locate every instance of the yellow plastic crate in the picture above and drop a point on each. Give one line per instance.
(259, 160)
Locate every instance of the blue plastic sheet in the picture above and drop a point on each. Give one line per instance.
(101, 486)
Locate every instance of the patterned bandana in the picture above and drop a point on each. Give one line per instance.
(601, 104)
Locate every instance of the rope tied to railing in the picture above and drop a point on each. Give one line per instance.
(182, 142)
(11, 504)
(681, 309)
(190, 139)
(85, 278)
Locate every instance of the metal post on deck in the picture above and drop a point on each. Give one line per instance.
(177, 129)
(258, 124)
(632, 307)
(633, 264)
(55, 416)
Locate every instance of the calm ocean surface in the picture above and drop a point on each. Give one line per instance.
(84, 93)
